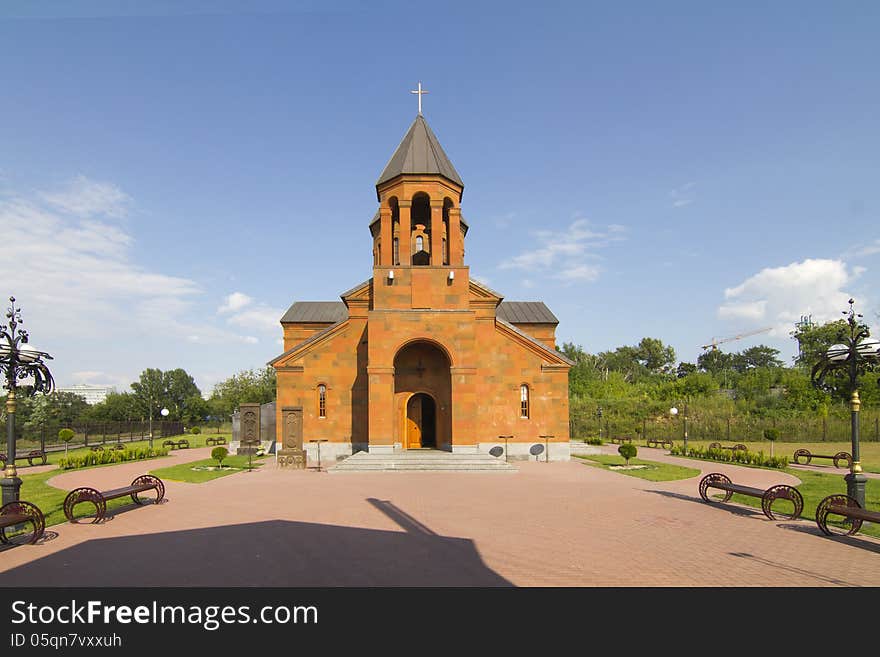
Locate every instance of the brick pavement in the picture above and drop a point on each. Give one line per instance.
(556, 524)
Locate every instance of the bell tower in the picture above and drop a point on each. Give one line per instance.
(419, 192)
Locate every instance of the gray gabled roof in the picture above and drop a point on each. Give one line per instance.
(319, 312)
(525, 312)
(419, 152)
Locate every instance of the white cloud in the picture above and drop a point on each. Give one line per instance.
(88, 198)
(74, 272)
(233, 302)
(779, 296)
(682, 196)
(583, 273)
(864, 250)
(563, 251)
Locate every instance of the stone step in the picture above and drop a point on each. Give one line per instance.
(421, 461)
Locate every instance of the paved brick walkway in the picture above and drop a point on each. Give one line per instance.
(556, 524)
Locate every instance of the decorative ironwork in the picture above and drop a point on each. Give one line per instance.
(19, 361)
(854, 355)
(839, 505)
(805, 454)
(809, 456)
(768, 496)
(215, 440)
(715, 480)
(714, 445)
(782, 492)
(18, 513)
(85, 494)
(150, 482)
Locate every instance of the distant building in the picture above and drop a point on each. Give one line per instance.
(92, 394)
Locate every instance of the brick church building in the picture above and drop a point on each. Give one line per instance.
(421, 355)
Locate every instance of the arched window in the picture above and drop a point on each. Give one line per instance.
(524, 401)
(322, 400)
(420, 245)
(396, 255)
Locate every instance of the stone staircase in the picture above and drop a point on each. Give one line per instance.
(421, 460)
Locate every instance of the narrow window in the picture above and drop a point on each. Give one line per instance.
(322, 400)
(419, 243)
(445, 253)
(378, 253)
(524, 401)
(396, 247)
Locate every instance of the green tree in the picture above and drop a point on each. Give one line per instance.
(760, 356)
(218, 454)
(149, 392)
(655, 356)
(684, 369)
(815, 339)
(116, 407)
(180, 388)
(57, 408)
(256, 386)
(627, 451)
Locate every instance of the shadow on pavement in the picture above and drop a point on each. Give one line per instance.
(271, 553)
(732, 507)
(852, 541)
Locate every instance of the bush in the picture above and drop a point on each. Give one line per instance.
(111, 456)
(732, 456)
(627, 451)
(65, 436)
(771, 434)
(595, 441)
(218, 454)
(195, 431)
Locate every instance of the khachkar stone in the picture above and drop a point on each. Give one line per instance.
(250, 428)
(291, 454)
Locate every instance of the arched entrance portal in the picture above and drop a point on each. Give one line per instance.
(421, 422)
(423, 396)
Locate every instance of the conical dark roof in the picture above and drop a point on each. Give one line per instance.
(419, 152)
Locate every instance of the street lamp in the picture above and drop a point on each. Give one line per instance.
(18, 360)
(855, 354)
(599, 415)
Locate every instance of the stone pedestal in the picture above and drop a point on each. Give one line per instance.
(294, 459)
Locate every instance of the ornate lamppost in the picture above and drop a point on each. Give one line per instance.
(855, 354)
(18, 360)
(673, 412)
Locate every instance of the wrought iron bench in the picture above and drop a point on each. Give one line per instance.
(19, 513)
(846, 507)
(97, 448)
(215, 440)
(808, 456)
(183, 443)
(768, 496)
(30, 456)
(666, 443)
(732, 447)
(99, 498)
(619, 440)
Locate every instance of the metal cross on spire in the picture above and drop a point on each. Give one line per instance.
(419, 93)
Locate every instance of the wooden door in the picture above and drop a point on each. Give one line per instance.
(414, 422)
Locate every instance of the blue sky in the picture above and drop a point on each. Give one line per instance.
(174, 174)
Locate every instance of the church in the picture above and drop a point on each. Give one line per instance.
(421, 356)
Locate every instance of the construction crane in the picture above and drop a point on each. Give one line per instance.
(714, 344)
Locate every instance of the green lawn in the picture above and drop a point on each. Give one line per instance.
(185, 472)
(653, 471)
(817, 485)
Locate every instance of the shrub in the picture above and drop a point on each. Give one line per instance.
(65, 436)
(113, 456)
(195, 431)
(595, 441)
(627, 451)
(772, 435)
(218, 454)
(732, 456)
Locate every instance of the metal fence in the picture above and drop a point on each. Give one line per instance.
(45, 436)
